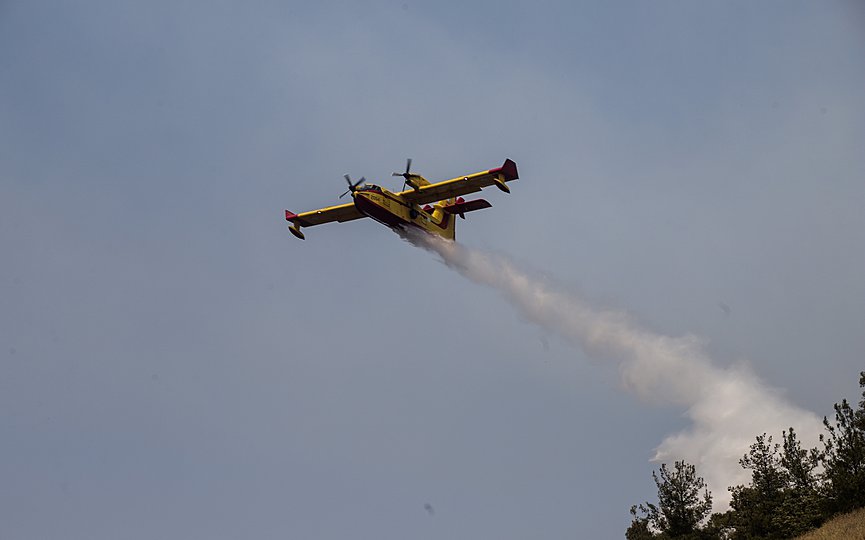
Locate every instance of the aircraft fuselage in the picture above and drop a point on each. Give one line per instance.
(390, 209)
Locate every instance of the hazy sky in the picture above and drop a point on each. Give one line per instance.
(174, 364)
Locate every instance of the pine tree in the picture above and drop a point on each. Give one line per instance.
(754, 506)
(782, 500)
(800, 508)
(639, 529)
(683, 504)
(844, 456)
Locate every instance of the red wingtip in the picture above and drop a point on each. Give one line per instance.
(289, 215)
(508, 169)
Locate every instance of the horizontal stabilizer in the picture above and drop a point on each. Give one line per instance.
(461, 207)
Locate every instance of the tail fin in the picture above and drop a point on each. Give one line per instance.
(448, 210)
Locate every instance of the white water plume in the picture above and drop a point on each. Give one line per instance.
(728, 406)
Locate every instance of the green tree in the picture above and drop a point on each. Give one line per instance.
(721, 526)
(764, 460)
(639, 529)
(683, 504)
(754, 506)
(782, 500)
(800, 507)
(843, 456)
(798, 463)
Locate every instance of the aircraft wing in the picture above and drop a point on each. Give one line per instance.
(463, 185)
(343, 212)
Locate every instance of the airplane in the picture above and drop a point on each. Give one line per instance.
(441, 201)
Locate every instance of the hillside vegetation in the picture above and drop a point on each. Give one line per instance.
(794, 492)
(846, 527)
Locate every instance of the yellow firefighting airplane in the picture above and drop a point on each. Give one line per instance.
(398, 210)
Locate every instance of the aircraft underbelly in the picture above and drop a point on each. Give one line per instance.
(378, 213)
(395, 215)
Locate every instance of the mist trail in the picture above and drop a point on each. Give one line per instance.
(727, 406)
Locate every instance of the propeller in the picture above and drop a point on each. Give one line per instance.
(406, 175)
(351, 187)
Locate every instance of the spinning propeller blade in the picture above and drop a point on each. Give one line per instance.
(406, 174)
(351, 187)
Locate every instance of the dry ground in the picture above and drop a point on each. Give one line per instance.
(847, 527)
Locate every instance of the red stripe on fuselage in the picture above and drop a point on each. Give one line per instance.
(369, 208)
(378, 213)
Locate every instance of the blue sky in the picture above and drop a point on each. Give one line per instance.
(173, 363)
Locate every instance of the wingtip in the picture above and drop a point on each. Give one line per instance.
(508, 169)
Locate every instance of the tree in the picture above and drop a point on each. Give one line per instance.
(755, 505)
(843, 456)
(782, 500)
(798, 463)
(639, 529)
(767, 476)
(683, 504)
(721, 526)
(800, 507)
